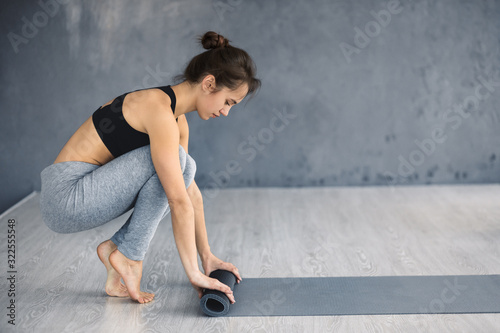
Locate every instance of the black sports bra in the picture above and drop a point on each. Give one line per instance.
(116, 134)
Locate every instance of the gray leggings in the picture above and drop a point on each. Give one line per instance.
(77, 196)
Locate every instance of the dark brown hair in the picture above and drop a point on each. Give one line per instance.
(230, 65)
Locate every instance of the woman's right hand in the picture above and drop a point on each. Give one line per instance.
(200, 281)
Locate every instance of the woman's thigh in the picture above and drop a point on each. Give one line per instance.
(78, 196)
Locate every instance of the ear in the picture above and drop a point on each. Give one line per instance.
(208, 83)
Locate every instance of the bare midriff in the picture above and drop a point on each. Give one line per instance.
(85, 145)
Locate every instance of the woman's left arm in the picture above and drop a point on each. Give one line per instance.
(209, 261)
(199, 220)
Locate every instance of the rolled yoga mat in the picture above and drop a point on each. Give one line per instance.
(213, 302)
(355, 295)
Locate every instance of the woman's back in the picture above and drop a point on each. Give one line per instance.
(86, 145)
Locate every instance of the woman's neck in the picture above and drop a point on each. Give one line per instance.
(185, 95)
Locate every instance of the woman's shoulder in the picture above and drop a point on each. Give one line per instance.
(149, 96)
(148, 107)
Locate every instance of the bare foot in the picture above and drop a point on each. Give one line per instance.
(131, 273)
(114, 286)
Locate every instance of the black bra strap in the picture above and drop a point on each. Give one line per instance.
(168, 90)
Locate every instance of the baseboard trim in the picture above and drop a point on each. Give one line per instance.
(9, 210)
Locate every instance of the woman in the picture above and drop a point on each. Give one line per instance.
(133, 152)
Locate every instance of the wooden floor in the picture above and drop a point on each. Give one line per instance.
(341, 231)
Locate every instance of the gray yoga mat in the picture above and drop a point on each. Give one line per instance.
(355, 295)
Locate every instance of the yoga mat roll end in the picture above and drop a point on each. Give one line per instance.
(215, 303)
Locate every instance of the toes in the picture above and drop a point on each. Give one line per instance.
(144, 297)
(147, 297)
(117, 292)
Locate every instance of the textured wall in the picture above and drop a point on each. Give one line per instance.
(354, 92)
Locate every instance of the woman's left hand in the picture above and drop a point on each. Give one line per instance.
(212, 263)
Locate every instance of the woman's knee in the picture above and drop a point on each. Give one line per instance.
(190, 170)
(182, 157)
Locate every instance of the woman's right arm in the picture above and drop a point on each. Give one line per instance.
(159, 123)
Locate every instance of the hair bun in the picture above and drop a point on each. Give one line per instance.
(212, 40)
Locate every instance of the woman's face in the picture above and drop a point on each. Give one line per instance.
(213, 104)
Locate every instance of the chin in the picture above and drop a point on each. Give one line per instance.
(202, 116)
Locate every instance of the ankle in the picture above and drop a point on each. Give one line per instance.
(124, 258)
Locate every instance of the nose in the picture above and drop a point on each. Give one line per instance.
(224, 112)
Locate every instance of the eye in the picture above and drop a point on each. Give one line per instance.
(227, 102)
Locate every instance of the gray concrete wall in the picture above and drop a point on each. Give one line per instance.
(354, 92)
